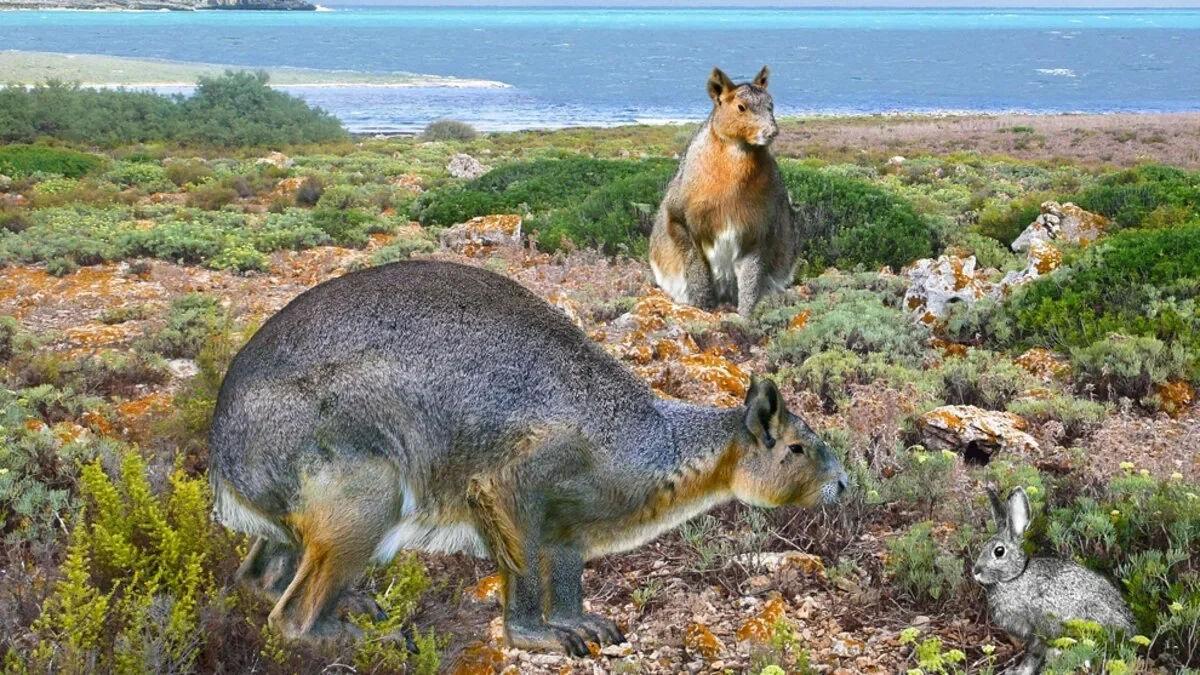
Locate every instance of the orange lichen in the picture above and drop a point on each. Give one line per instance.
(949, 349)
(800, 320)
(479, 658)
(488, 588)
(720, 372)
(1175, 396)
(759, 628)
(698, 639)
(1043, 363)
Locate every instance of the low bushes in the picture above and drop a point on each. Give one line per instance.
(854, 320)
(847, 222)
(526, 187)
(1137, 282)
(237, 109)
(23, 160)
(449, 130)
(1145, 531)
(1144, 195)
(615, 218)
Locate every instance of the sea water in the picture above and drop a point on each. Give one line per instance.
(620, 66)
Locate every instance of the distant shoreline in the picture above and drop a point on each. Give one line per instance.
(100, 71)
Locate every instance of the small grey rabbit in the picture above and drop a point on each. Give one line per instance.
(1031, 597)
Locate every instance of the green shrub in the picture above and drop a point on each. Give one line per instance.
(39, 465)
(237, 109)
(830, 373)
(1079, 417)
(211, 196)
(449, 130)
(340, 198)
(1133, 367)
(18, 160)
(526, 187)
(401, 249)
(147, 177)
(854, 320)
(404, 582)
(1136, 282)
(347, 228)
(192, 320)
(1005, 221)
(1130, 197)
(15, 341)
(13, 220)
(615, 218)
(922, 479)
(925, 571)
(981, 378)
(848, 222)
(1146, 532)
(135, 582)
(188, 172)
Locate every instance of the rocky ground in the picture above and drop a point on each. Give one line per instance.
(764, 601)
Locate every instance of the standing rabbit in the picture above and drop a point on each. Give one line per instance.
(1030, 598)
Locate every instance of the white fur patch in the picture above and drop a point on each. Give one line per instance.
(415, 531)
(675, 286)
(720, 256)
(230, 512)
(418, 535)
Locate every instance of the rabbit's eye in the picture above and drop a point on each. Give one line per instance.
(741, 108)
(999, 551)
(797, 449)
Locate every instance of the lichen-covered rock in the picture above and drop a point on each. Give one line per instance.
(699, 640)
(760, 628)
(276, 159)
(1044, 364)
(963, 428)
(654, 336)
(465, 166)
(479, 236)
(1062, 222)
(933, 284)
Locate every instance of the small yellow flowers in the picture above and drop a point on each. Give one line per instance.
(1140, 640)
(1176, 476)
(1127, 466)
(1115, 513)
(955, 656)
(1144, 472)
(948, 455)
(1063, 642)
(909, 635)
(988, 650)
(1176, 607)
(772, 670)
(1032, 490)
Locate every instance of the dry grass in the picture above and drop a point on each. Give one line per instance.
(1119, 140)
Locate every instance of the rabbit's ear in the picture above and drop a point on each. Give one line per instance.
(1018, 512)
(999, 514)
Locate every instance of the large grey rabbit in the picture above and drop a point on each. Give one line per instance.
(1030, 598)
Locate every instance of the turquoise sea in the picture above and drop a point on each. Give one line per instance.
(616, 66)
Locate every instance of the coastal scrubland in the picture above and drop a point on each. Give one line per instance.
(142, 241)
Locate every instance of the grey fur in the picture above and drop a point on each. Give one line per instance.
(1031, 598)
(425, 396)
